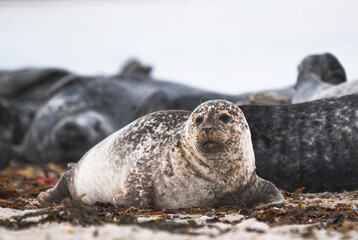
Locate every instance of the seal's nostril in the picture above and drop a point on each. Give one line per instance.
(207, 130)
(70, 127)
(97, 126)
(71, 133)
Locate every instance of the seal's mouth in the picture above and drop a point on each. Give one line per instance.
(209, 144)
(213, 143)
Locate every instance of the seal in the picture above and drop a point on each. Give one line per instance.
(310, 144)
(172, 159)
(21, 94)
(321, 76)
(80, 111)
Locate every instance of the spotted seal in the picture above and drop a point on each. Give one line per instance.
(172, 159)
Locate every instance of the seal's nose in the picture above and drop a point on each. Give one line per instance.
(207, 130)
(71, 133)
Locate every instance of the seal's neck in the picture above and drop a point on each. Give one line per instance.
(308, 84)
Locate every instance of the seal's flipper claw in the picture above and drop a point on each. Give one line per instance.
(120, 200)
(44, 197)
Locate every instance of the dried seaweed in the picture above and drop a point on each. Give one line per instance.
(19, 186)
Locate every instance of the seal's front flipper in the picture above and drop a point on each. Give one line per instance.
(138, 191)
(139, 198)
(266, 195)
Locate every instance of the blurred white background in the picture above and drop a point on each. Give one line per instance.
(230, 46)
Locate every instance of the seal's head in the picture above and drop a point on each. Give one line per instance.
(324, 66)
(63, 134)
(216, 128)
(74, 134)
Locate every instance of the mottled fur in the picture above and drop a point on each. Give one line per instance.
(311, 145)
(173, 159)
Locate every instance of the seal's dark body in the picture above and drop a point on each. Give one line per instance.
(312, 145)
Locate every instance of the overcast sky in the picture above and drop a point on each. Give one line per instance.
(228, 46)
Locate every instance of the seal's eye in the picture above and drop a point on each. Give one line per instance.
(224, 118)
(199, 120)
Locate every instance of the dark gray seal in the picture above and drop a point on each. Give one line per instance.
(21, 94)
(68, 114)
(311, 145)
(172, 159)
(321, 76)
(80, 111)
